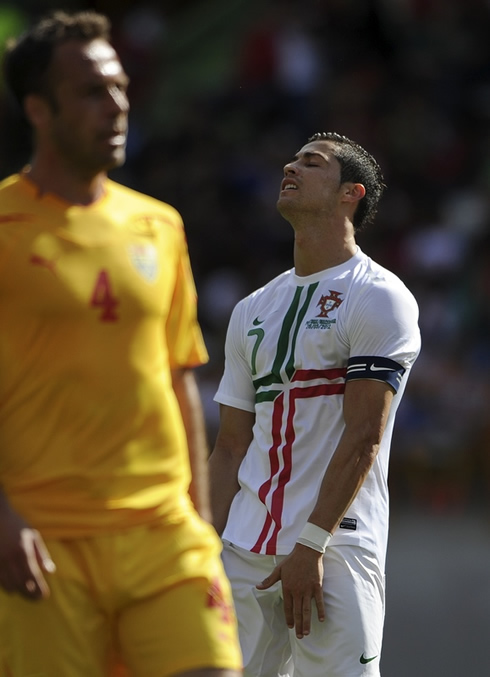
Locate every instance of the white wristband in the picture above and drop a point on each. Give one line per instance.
(314, 537)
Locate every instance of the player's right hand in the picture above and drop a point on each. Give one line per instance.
(301, 575)
(24, 558)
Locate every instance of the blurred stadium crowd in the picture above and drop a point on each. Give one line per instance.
(223, 94)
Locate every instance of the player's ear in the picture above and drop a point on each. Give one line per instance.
(37, 110)
(353, 192)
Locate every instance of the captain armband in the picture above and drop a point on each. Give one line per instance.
(314, 537)
(375, 368)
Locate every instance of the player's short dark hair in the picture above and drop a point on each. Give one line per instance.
(359, 166)
(27, 58)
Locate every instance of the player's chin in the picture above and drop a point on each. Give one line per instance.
(284, 205)
(115, 158)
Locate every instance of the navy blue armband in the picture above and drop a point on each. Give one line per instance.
(376, 368)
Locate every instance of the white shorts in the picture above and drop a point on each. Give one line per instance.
(346, 644)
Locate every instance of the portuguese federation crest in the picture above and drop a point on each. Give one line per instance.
(329, 303)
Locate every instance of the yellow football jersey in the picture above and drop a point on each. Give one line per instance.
(97, 304)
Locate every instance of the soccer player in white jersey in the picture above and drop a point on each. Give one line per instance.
(316, 364)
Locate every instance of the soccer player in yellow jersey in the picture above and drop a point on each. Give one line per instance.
(107, 561)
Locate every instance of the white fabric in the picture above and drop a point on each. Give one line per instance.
(287, 349)
(346, 644)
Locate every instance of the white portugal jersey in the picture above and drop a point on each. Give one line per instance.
(290, 348)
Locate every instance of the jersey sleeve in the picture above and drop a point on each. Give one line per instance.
(185, 342)
(382, 332)
(236, 388)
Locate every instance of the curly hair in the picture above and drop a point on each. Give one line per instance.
(27, 58)
(359, 166)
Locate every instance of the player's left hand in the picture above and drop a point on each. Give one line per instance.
(301, 574)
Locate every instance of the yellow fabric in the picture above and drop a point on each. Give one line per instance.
(153, 601)
(97, 304)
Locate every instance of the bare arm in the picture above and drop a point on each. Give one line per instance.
(189, 399)
(233, 440)
(366, 407)
(23, 555)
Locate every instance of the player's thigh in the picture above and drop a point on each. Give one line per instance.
(264, 636)
(348, 642)
(185, 619)
(63, 635)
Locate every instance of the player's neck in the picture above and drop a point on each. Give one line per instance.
(65, 184)
(316, 250)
